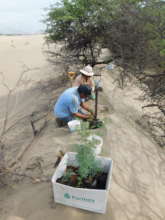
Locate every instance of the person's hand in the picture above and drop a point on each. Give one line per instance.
(91, 112)
(92, 96)
(90, 117)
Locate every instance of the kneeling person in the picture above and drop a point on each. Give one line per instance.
(68, 105)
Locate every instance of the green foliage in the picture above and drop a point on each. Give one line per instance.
(154, 11)
(132, 29)
(81, 24)
(67, 175)
(88, 164)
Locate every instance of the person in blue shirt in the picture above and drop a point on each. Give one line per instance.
(69, 104)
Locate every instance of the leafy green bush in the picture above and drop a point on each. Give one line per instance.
(88, 164)
(132, 29)
(80, 23)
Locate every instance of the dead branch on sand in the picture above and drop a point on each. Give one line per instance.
(4, 126)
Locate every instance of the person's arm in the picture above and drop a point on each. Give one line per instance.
(91, 84)
(74, 107)
(82, 116)
(77, 81)
(86, 107)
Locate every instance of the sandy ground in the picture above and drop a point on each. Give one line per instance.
(18, 52)
(138, 180)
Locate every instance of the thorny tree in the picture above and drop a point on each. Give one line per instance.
(132, 29)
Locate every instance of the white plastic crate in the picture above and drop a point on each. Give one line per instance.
(88, 199)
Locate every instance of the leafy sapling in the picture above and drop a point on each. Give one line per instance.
(67, 175)
(89, 166)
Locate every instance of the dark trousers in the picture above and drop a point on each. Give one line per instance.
(61, 122)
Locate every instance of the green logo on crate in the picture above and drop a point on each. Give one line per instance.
(68, 196)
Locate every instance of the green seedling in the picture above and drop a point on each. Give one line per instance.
(67, 175)
(89, 165)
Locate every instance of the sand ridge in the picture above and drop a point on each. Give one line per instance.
(138, 184)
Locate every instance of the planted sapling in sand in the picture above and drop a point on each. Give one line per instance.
(89, 166)
(82, 179)
(89, 172)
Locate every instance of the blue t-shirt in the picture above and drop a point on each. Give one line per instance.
(68, 103)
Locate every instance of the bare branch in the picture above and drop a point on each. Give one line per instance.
(10, 172)
(150, 105)
(155, 76)
(3, 81)
(10, 92)
(6, 115)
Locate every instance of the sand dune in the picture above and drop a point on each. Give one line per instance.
(138, 183)
(19, 53)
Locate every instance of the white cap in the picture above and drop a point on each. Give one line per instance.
(87, 70)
